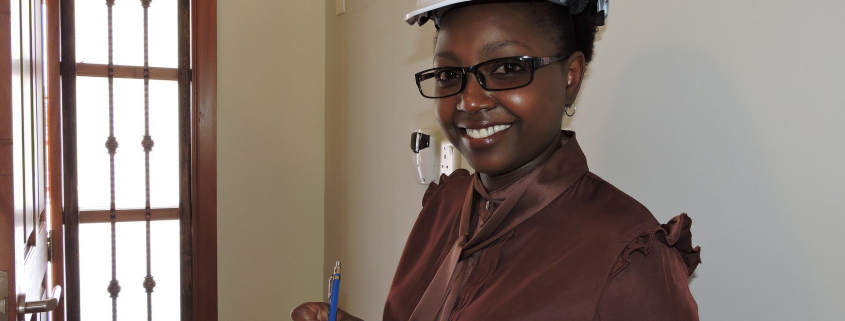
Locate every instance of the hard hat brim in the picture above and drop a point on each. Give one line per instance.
(413, 17)
(434, 11)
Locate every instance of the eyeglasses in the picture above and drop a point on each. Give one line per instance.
(492, 75)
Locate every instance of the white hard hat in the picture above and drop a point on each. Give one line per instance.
(434, 9)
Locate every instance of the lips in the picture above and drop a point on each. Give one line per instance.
(479, 138)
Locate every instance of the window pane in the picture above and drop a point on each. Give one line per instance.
(95, 270)
(164, 128)
(128, 29)
(164, 34)
(93, 130)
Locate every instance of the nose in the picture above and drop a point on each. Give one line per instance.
(475, 98)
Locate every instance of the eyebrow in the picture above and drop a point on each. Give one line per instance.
(447, 55)
(492, 47)
(485, 51)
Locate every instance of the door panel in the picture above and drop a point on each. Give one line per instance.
(23, 220)
(35, 269)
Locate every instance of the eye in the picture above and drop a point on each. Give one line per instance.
(509, 67)
(447, 75)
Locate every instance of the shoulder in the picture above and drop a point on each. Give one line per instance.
(442, 203)
(650, 280)
(598, 205)
(649, 262)
(610, 198)
(612, 212)
(460, 179)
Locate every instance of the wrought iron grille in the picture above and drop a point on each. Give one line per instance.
(124, 22)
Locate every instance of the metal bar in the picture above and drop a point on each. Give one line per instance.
(69, 158)
(128, 215)
(128, 72)
(111, 145)
(147, 144)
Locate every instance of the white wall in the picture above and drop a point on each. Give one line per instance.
(270, 156)
(730, 111)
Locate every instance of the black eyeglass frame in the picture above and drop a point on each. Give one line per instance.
(535, 63)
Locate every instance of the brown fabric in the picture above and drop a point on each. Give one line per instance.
(557, 244)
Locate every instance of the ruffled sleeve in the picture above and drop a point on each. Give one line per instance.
(650, 280)
(675, 234)
(434, 188)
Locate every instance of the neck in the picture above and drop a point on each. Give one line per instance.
(492, 183)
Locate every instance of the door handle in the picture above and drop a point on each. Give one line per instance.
(25, 307)
(4, 295)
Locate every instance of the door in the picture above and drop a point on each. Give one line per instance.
(24, 218)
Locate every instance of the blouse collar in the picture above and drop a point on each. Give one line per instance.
(525, 196)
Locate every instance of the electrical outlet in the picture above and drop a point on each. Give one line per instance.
(450, 159)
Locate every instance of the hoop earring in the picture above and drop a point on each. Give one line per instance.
(566, 110)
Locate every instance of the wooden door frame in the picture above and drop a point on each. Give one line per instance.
(198, 217)
(7, 185)
(204, 156)
(53, 127)
(70, 205)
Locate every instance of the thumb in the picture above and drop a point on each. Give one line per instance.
(310, 311)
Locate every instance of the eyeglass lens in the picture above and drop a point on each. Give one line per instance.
(500, 74)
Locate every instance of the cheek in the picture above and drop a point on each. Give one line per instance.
(444, 110)
(540, 111)
(529, 107)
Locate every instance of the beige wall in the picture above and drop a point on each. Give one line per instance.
(730, 111)
(372, 199)
(270, 156)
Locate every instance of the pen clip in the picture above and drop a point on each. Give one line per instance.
(331, 278)
(335, 275)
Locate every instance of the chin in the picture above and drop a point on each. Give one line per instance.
(489, 167)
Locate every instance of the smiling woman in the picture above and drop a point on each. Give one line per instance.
(533, 112)
(533, 234)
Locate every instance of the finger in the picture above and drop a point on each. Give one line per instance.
(304, 312)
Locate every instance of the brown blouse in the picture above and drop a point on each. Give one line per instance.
(559, 243)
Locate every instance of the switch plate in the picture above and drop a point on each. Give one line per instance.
(450, 159)
(339, 7)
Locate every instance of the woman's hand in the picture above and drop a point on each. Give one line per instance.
(318, 311)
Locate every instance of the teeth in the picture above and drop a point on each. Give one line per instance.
(486, 132)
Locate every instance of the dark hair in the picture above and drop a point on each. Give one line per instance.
(571, 33)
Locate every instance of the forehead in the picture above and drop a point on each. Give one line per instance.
(492, 30)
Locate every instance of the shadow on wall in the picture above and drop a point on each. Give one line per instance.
(690, 126)
(423, 54)
(423, 45)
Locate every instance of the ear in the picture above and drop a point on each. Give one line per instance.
(576, 66)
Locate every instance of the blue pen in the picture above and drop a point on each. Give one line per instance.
(334, 290)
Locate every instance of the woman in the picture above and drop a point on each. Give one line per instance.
(532, 235)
